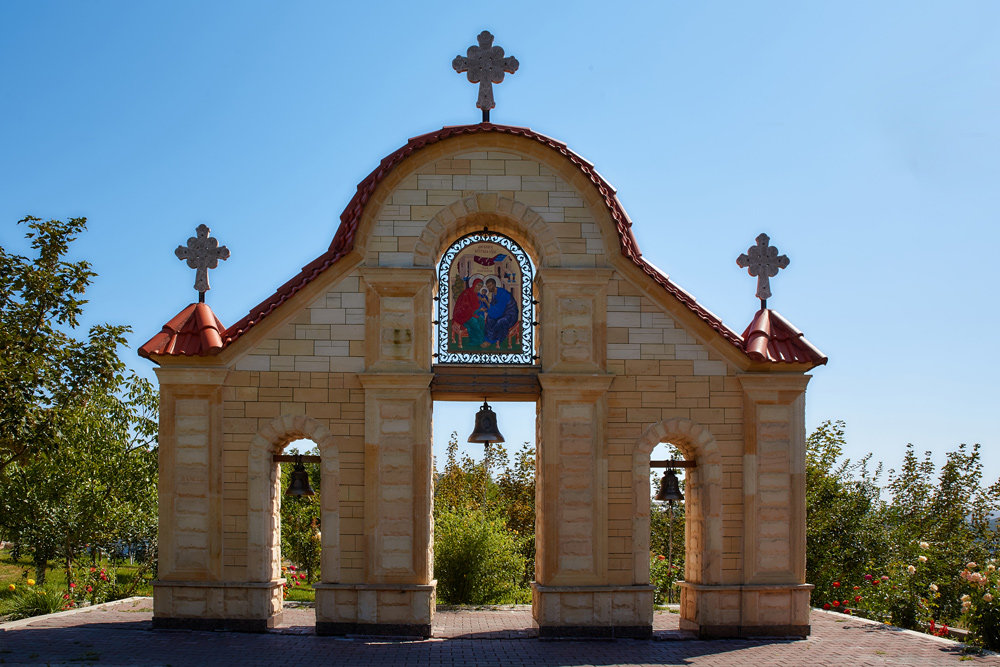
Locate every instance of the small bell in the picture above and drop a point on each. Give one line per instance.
(299, 483)
(669, 487)
(486, 426)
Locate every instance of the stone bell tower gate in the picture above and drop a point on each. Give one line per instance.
(342, 354)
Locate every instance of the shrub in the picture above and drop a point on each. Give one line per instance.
(663, 575)
(36, 601)
(982, 604)
(476, 560)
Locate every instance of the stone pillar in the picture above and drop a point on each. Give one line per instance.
(570, 595)
(773, 598)
(190, 591)
(397, 596)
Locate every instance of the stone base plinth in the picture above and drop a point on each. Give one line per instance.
(593, 611)
(375, 609)
(206, 605)
(750, 610)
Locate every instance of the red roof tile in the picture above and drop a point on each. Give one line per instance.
(770, 337)
(195, 331)
(343, 240)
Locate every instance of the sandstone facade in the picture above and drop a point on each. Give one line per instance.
(625, 362)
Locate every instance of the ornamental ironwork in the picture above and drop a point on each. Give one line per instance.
(485, 304)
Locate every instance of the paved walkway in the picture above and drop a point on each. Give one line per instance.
(120, 634)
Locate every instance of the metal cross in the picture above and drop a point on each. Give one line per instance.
(486, 65)
(202, 253)
(763, 261)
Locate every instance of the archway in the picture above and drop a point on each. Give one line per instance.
(703, 504)
(264, 495)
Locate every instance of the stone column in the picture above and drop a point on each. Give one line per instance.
(190, 591)
(773, 598)
(571, 595)
(397, 596)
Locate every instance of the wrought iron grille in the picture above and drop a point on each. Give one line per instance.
(516, 346)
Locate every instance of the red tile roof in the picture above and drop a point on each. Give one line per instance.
(195, 331)
(770, 337)
(343, 240)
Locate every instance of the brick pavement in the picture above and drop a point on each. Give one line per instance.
(120, 634)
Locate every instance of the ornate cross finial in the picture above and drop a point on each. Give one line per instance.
(202, 253)
(485, 64)
(762, 260)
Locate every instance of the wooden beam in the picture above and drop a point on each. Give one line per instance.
(672, 464)
(494, 383)
(293, 458)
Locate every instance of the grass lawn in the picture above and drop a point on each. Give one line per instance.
(302, 593)
(13, 572)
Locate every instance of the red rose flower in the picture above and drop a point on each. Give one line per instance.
(857, 598)
(836, 603)
(826, 606)
(836, 584)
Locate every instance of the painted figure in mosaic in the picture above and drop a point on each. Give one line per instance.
(468, 317)
(501, 315)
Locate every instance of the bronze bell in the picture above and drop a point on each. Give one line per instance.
(670, 488)
(299, 485)
(486, 426)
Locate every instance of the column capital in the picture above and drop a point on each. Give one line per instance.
(781, 388)
(191, 375)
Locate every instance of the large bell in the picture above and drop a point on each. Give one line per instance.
(486, 426)
(670, 488)
(299, 485)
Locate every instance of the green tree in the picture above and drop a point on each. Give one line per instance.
(96, 493)
(496, 489)
(845, 533)
(46, 374)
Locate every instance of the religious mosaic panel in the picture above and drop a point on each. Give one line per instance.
(485, 307)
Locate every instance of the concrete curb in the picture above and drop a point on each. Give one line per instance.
(14, 625)
(914, 633)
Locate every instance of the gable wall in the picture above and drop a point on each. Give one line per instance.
(307, 367)
(432, 188)
(663, 373)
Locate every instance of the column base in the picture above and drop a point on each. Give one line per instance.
(748, 610)
(240, 606)
(593, 611)
(375, 609)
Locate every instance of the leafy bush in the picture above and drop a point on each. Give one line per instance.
(477, 561)
(663, 575)
(981, 604)
(36, 601)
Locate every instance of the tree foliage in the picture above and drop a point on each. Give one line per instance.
(902, 556)
(78, 459)
(47, 375)
(483, 510)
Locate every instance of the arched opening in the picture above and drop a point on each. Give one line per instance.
(301, 522)
(666, 524)
(264, 509)
(485, 302)
(702, 506)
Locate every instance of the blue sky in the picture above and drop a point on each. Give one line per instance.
(862, 137)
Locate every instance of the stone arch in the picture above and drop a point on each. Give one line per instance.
(501, 214)
(264, 497)
(703, 536)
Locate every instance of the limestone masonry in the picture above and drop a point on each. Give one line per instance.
(342, 355)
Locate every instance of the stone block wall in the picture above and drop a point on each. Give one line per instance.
(350, 366)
